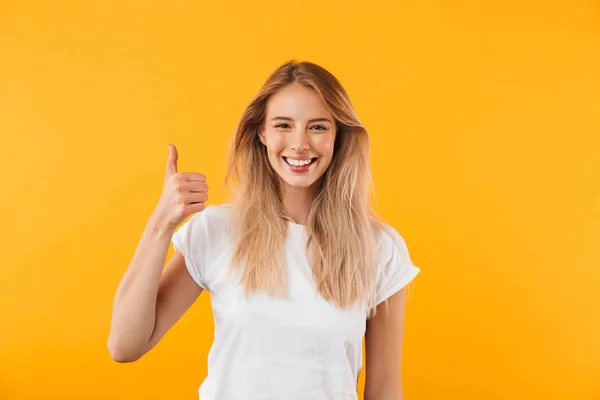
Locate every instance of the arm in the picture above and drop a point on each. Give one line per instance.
(149, 301)
(383, 342)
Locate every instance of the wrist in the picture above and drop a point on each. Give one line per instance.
(159, 229)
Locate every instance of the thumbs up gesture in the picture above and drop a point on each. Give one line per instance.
(183, 194)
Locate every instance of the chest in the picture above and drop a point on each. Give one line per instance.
(303, 314)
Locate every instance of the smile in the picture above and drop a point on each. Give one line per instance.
(300, 165)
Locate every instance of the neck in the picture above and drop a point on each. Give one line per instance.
(297, 201)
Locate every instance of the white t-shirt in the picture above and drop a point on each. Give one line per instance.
(300, 347)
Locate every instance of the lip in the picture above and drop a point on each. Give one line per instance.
(302, 169)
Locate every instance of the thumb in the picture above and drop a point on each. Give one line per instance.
(172, 161)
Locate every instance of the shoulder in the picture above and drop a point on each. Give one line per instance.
(217, 213)
(396, 268)
(214, 213)
(390, 240)
(210, 222)
(204, 241)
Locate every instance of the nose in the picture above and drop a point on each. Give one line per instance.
(300, 141)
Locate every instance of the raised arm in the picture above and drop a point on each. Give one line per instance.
(150, 299)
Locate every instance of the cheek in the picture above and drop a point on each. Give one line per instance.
(275, 143)
(324, 144)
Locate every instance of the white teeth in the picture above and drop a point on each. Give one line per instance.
(298, 163)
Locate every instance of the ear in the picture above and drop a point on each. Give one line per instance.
(261, 135)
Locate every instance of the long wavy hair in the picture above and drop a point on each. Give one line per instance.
(343, 229)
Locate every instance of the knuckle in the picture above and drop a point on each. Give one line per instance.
(179, 178)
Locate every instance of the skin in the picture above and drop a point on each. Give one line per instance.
(175, 289)
(298, 124)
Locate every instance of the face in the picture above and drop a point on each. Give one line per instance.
(299, 133)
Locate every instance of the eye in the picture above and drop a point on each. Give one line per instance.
(282, 125)
(320, 127)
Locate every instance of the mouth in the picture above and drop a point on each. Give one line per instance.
(300, 165)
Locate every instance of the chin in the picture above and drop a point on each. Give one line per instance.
(297, 184)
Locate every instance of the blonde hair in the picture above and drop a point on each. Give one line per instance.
(342, 226)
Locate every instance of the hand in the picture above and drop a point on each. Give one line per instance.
(183, 194)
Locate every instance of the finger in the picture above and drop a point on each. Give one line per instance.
(194, 187)
(198, 187)
(199, 197)
(193, 176)
(172, 161)
(197, 207)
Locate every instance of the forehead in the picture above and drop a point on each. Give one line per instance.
(298, 102)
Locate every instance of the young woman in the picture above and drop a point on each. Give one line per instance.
(298, 266)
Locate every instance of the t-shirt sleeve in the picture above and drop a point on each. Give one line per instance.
(189, 239)
(397, 269)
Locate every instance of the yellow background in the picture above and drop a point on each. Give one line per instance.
(485, 130)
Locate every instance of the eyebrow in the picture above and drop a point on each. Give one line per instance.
(310, 120)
